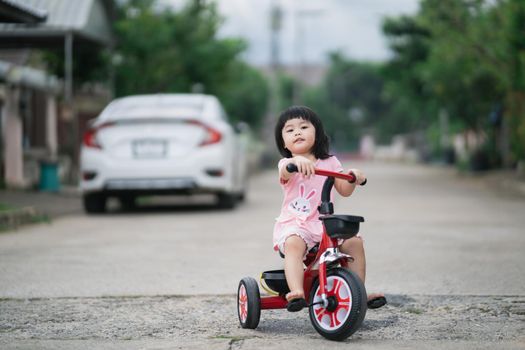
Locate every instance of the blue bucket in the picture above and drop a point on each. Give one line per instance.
(49, 176)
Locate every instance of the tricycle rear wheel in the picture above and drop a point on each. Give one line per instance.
(248, 303)
(347, 305)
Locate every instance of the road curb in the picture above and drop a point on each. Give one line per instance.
(14, 218)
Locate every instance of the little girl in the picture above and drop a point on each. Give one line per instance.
(301, 139)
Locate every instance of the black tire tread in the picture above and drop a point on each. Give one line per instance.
(226, 200)
(94, 203)
(254, 303)
(357, 313)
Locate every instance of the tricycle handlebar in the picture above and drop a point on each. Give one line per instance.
(292, 168)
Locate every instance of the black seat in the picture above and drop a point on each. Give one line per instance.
(342, 226)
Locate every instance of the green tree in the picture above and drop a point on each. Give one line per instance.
(167, 51)
(514, 51)
(357, 89)
(471, 60)
(349, 100)
(285, 86)
(406, 88)
(246, 95)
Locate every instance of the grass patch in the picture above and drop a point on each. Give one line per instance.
(5, 207)
(414, 310)
(11, 218)
(40, 218)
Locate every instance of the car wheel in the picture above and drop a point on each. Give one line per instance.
(128, 203)
(226, 200)
(241, 197)
(94, 203)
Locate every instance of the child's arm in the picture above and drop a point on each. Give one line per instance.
(304, 166)
(345, 188)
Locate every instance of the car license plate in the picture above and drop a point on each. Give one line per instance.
(150, 184)
(149, 148)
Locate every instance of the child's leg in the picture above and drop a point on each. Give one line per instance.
(354, 247)
(294, 249)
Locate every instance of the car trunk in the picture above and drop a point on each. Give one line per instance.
(151, 138)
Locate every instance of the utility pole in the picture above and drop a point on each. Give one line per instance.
(69, 113)
(275, 25)
(276, 16)
(300, 51)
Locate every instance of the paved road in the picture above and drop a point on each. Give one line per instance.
(447, 250)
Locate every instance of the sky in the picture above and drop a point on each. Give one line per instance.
(311, 28)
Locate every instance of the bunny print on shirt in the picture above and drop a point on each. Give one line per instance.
(301, 205)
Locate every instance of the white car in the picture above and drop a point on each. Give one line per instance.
(161, 144)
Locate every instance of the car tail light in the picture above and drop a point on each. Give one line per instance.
(215, 172)
(90, 136)
(90, 139)
(212, 135)
(89, 175)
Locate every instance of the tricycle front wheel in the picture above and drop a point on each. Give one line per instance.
(248, 303)
(346, 308)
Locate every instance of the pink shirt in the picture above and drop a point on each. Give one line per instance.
(302, 197)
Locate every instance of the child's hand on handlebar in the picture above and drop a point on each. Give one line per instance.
(360, 177)
(304, 165)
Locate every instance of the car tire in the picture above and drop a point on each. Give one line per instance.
(94, 203)
(128, 203)
(226, 200)
(241, 197)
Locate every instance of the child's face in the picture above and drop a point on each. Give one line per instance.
(298, 136)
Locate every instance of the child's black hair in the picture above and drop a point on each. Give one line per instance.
(321, 145)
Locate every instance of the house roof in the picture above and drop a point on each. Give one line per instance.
(88, 20)
(14, 12)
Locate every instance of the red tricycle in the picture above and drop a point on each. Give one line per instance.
(337, 300)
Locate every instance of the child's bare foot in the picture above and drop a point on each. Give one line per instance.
(295, 294)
